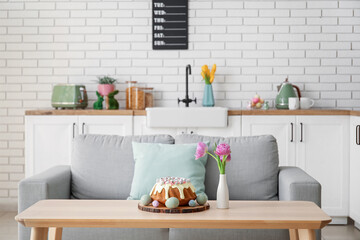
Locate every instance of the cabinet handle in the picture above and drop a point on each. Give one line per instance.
(358, 135)
(191, 132)
(74, 130)
(301, 132)
(82, 128)
(292, 132)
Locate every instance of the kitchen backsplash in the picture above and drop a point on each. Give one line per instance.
(255, 45)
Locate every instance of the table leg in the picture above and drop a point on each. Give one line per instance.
(39, 233)
(307, 234)
(55, 233)
(294, 234)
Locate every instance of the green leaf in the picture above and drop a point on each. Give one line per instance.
(106, 80)
(215, 146)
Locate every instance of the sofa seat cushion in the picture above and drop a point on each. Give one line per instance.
(154, 161)
(102, 166)
(252, 173)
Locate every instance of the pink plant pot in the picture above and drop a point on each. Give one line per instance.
(105, 89)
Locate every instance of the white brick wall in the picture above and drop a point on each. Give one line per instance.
(256, 44)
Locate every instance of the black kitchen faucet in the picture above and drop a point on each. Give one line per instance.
(187, 100)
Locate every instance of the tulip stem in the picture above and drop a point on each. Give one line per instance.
(221, 165)
(211, 155)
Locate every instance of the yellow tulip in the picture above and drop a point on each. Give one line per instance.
(213, 69)
(203, 75)
(204, 68)
(207, 73)
(212, 78)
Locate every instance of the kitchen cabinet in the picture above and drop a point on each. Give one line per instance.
(108, 125)
(48, 139)
(317, 144)
(140, 128)
(232, 130)
(322, 151)
(281, 127)
(48, 142)
(355, 169)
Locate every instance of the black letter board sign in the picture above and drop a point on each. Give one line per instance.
(170, 24)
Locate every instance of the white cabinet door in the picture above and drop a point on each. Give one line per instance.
(106, 125)
(232, 130)
(140, 128)
(323, 152)
(48, 141)
(355, 169)
(281, 127)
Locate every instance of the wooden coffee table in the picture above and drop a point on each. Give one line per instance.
(49, 217)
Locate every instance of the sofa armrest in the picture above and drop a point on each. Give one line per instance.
(297, 185)
(53, 183)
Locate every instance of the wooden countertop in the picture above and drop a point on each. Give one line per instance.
(81, 112)
(232, 112)
(296, 112)
(355, 113)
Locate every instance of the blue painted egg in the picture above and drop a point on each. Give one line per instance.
(201, 199)
(192, 203)
(172, 202)
(145, 200)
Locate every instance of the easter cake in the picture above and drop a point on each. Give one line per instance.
(173, 187)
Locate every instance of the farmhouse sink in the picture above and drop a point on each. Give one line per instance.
(162, 117)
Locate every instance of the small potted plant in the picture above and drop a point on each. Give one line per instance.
(106, 85)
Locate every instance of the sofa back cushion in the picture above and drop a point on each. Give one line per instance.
(252, 173)
(102, 166)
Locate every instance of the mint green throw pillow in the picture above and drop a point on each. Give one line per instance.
(156, 160)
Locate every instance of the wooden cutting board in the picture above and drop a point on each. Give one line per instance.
(181, 209)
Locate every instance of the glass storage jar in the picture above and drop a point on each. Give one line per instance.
(138, 98)
(149, 97)
(129, 94)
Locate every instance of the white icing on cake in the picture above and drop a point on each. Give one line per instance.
(173, 182)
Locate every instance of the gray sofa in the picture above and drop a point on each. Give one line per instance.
(102, 168)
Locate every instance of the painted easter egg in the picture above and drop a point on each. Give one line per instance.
(255, 100)
(192, 203)
(155, 203)
(172, 202)
(145, 200)
(201, 199)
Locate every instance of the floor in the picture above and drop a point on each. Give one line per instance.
(8, 230)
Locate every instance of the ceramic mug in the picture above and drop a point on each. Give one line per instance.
(294, 103)
(306, 103)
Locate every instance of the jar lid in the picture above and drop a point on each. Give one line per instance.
(131, 82)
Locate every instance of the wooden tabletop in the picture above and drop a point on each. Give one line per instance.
(125, 214)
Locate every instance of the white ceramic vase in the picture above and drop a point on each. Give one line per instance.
(222, 196)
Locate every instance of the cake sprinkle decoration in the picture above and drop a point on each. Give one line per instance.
(172, 180)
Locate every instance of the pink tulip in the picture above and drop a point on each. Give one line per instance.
(227, 159)
(201, 150)
(223, 149)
